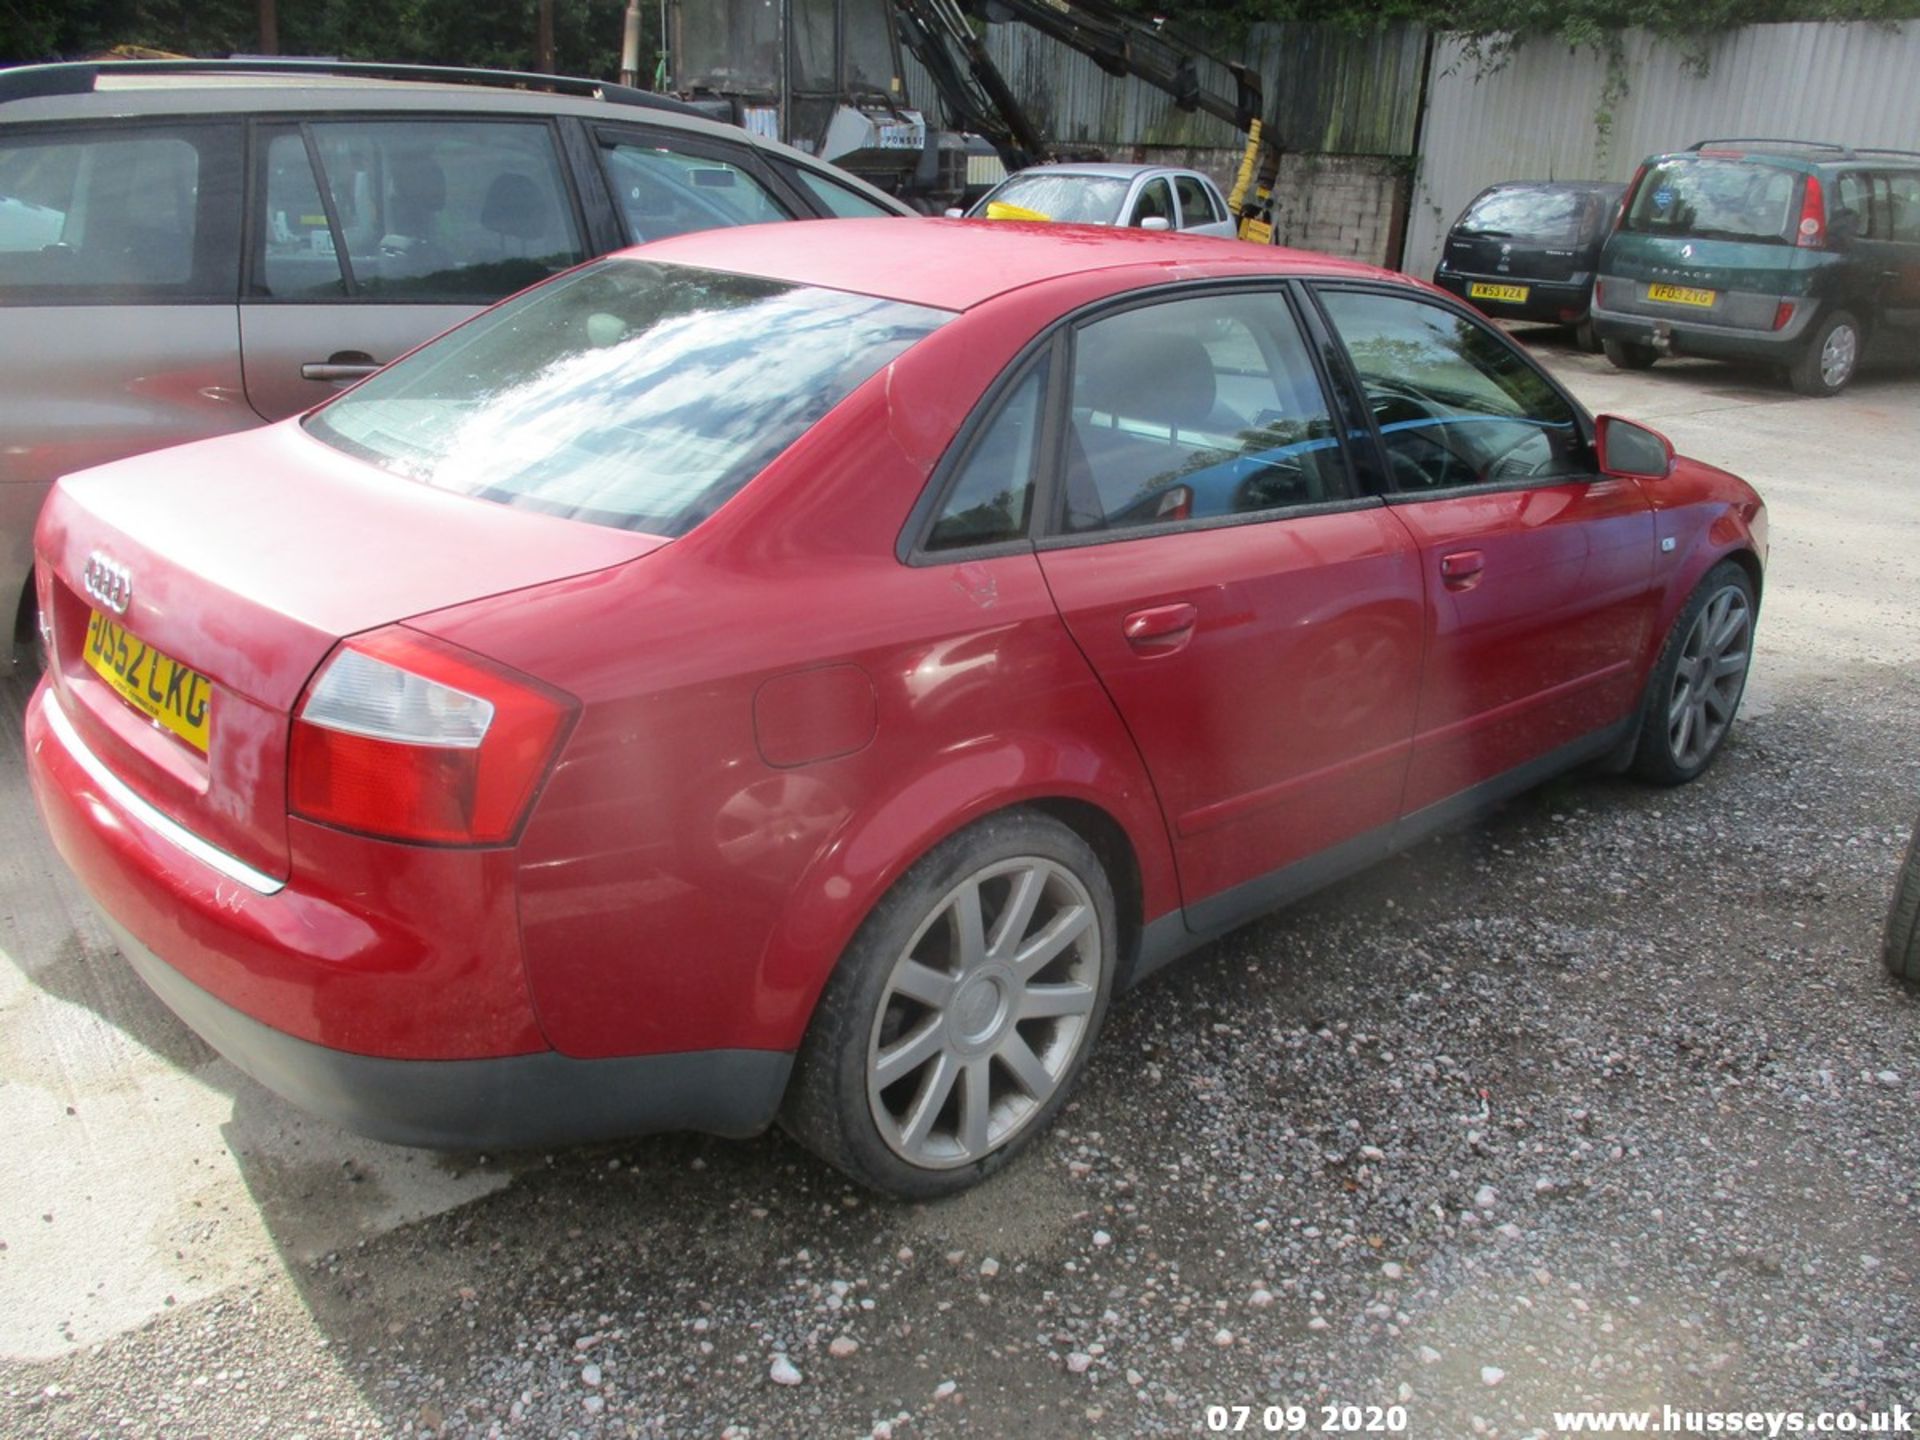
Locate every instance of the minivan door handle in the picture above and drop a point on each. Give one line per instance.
(1161, 628)
(341, 365)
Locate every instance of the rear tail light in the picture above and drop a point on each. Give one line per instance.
(403, 737)
(1600, 292)
(1812, 234)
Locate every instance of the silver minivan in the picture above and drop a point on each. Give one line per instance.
(188, 248)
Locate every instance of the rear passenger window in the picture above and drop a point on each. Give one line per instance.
(427, 210)
(666, 191)
(298, 256)
(1196, 410)
(1903, 192)
(1196, 205)
(113, 212)
(993, 495)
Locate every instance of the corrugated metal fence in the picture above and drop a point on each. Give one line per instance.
(1327, 91)
(1534, 118)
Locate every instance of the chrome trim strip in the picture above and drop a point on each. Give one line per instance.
(166, 828)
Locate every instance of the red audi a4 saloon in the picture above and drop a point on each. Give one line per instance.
(801, 673)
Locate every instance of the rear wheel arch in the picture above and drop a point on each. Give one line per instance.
(839, 894)
(1109, 840)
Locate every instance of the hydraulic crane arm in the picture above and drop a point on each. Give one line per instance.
(1123, 45)
(976, 95)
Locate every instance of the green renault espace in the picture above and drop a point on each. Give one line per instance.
(1795, 253)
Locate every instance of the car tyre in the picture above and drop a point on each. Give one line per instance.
(1694, 692)
(1629, 354)
(1584, 337)
(961, 1015)
(1902, 947)
(1828, 361)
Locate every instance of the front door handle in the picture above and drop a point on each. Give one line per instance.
(1462, 568)
(1160, 629)
(341, 365)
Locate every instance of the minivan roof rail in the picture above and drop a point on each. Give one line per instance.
(24, 82)
(1845, 152)
(1772, 140)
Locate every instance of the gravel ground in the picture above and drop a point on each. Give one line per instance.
(1603, 1102)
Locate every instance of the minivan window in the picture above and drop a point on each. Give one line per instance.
(109, 210)
(1708, 199)
(663, 190)
(629, 394)
(445, 210)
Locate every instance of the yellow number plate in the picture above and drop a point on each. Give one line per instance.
(1680, 295)
(1516, 294)
(153, 683)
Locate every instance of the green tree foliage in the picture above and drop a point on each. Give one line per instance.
(495, 33)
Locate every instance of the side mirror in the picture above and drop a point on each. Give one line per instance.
(1156, 222)
(954, 212)
(1630, 450)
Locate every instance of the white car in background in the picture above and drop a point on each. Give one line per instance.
(1151, 197)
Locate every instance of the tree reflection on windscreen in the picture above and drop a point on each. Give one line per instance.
(630, 394)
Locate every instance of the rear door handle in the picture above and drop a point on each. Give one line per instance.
(1160, 628)
(341, 365)
(1462, 567)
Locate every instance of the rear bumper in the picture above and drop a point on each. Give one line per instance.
(410, 1032)
(1548, 301)
(493, 1104)
(1739, 327)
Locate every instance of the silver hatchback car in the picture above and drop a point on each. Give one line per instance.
(1151, 197)
(189, 248)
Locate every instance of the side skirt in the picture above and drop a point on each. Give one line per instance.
(1178, 933)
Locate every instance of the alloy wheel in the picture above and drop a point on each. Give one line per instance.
(1709, 676)
(984, 1012)
(1838, 355)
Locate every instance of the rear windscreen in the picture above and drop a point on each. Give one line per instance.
(1707, 199)
(628, 393)
(1554, 217)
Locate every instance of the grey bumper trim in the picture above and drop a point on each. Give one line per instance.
(492, 1104)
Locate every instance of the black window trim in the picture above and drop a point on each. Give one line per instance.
(219, 245)
(253, 237)
(911, 546)
(1044, 528)
(1350, 377)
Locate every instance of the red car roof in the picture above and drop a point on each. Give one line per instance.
(956, 264)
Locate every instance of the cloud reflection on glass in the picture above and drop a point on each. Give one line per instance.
(628, 394)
